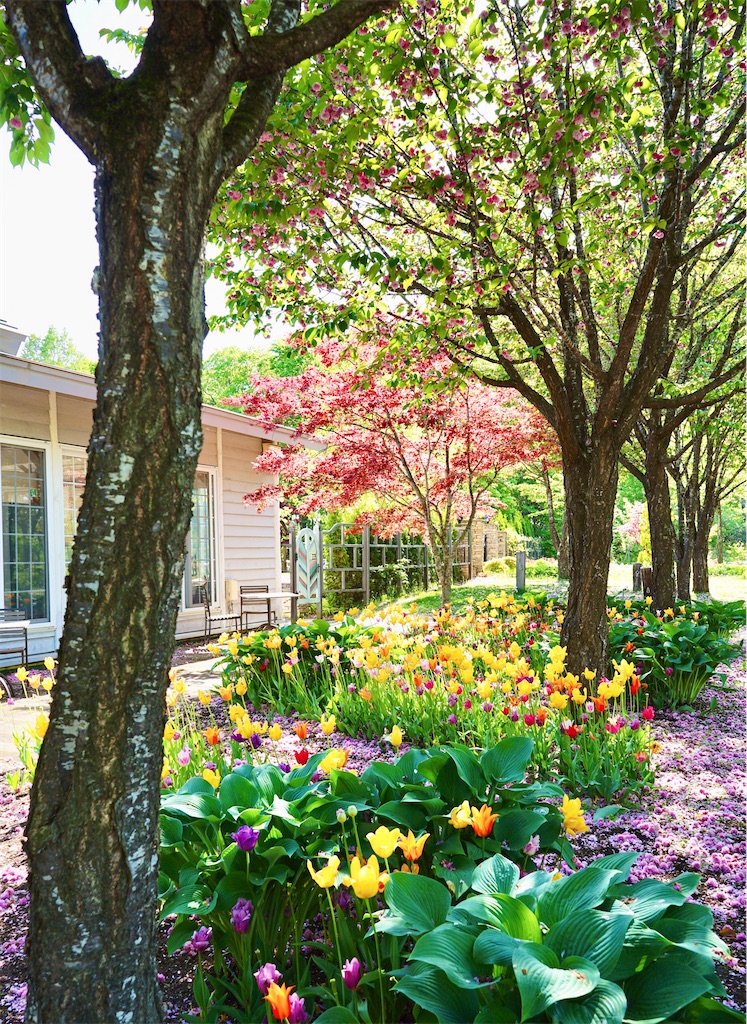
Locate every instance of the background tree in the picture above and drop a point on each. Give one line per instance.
(707, 467)
(430, 462)
(225, 373)
(57, 347)
(161, 140)
(536, 181)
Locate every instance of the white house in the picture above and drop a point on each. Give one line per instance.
(45, 425)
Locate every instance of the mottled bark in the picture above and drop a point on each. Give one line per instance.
(559, 539)
(564, 561)
(656, 486)
(591, 489)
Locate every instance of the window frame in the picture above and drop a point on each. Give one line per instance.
(52, 541)
(215, 540)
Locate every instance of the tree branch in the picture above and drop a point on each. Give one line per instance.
(69, 84)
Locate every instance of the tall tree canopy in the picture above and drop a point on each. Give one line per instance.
(429, 455)
(525, 185)
(162, 140)
(58, 348)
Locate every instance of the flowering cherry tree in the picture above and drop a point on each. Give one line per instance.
(428, 461)
(527, 185)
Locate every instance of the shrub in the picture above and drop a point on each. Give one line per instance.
(502, 566)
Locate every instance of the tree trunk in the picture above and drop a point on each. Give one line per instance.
(564, 569)
(590, 492)
(720, 537)
(701, 582)
(93, 826)
(683, 547)
(656, 484)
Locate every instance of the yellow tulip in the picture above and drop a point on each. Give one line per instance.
(395, 736)
(35, 681)
(328, 724)
(326, 876)
(275, 732)
(366, 879)
(590, 674)
(168, 731)
(171, 698)
(573, 818)
(204, 697)
(336, 758)
(179, 685)
(461, 816)
(558, 700)
(384, 841)
(241, 688)
(49, 664)
(22, 675)
(48, 684)
(41, 725)
(212, 777)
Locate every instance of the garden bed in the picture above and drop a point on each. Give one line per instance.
(693, 820)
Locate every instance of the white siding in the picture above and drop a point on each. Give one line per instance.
(24, 412)
(74, 420)
(250, 539)
(209, 453)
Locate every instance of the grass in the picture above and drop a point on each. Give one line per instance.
(723, 588)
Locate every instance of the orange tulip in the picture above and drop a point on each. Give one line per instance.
(212, 735)
(302, 730)
(278, 996)
(482, 820)
(411, 847)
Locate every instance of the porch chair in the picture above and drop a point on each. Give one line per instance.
(249, 607)
(210, 618)
(13, 639)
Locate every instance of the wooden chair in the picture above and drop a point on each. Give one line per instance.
(249, 607)
(13, 639)
(211, 619)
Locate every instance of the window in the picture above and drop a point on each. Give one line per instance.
(200, 567)
(24, 531)
(73, 481)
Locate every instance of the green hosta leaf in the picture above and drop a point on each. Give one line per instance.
(621, 862)
(708, 1011)
(516, 828)
(605, 1005)
(190, 899)
(642, 945)
(507, 761)
(495, 947)
(237, 791)
(582, 891)
(468, 767)
(171, 830)
(432, 990)
(449, 947)
(497, 874)
(230, 888)
(417, 902)
(593, 934)
(663, 988)
(542, 981)
(649, 898)
(181, 931)
(510, 915)
(337, 1015)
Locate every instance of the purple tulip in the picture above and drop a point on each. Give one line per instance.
(351, 973)
(246, 838)
(201, 939)
(256, 740)
(241, 915)
(265, 977)
(297, 1014)
(669, 670)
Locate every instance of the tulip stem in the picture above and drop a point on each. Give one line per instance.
(378, 957)
(334, 929)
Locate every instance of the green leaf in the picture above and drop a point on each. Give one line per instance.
(431, 989)
(605, 1005)
(497, 874)
(337, 1015)
(642, 945)
(705, 1010)
(582, 891)
(516, 828)
(510, 915)
(171, 830)
(495, 947)
(663, 988)
(593, 934)
(507, 761)
(181, 931)
(621, 862)
(237, 791)
(230, 888)
(649, 898)
(449, 947)
(418, 902)
(190, 899)
(542, 981)
(194, 805)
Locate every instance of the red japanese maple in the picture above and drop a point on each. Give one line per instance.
(425, 444)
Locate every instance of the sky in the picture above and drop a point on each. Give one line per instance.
(47, 231)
